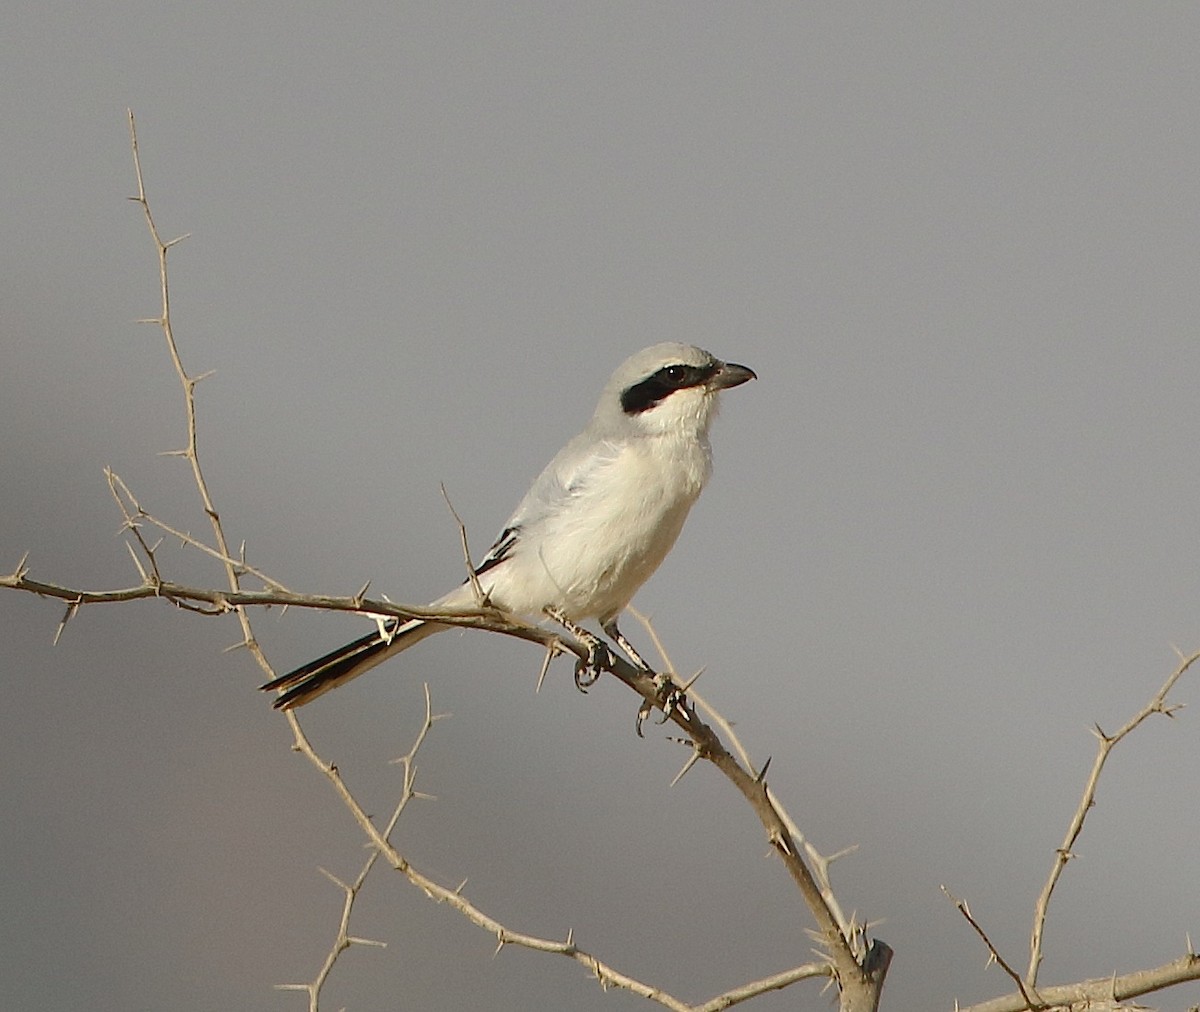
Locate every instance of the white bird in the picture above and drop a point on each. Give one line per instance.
(593, 527)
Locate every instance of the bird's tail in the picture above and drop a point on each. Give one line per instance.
(336, 668)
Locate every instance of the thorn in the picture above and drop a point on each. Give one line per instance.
(176, 240)
(692, 681)
(20, 571)
(355, 940)
(552, 651)
(844, 852)
(763, 772)
(779, 842)
(362, 593)
(333, 878)
(692, 760)
(204, 375)
(72, 608)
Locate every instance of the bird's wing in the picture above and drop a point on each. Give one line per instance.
(564, 479)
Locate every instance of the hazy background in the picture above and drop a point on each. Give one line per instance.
(952, 525)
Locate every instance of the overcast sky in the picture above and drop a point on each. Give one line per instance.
(951, 526)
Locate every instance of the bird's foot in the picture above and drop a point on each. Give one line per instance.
(599, 658)
(669, 698)
(588, 669)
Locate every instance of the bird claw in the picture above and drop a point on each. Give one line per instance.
(589, 669)
(668, 698)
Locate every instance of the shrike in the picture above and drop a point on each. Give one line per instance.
(593, 527)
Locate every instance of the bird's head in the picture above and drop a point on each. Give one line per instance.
(668, 388)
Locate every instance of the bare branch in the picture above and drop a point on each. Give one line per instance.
(859, 973)
(1102, 991)
(850, 930)
(605, 974)
(1032, 1001)
(342, 939)
(223, 601)
(807, 971)
(1157, 704)
(188, 384)
(481, 598)
(134, 513)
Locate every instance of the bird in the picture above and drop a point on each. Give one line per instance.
(593, 527)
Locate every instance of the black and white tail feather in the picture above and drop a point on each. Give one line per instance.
(595, 524)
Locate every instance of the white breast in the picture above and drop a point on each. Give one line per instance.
(590, 557)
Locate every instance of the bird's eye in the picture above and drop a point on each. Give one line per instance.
(675, 373)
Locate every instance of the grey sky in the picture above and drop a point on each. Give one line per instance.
(950, 527)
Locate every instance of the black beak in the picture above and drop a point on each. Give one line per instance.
(731, 375)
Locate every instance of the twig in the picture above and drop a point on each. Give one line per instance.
(1032, 1001)
(343, 939)
(188, 382)
(472, 578)
(1157, 704)
(138, 513)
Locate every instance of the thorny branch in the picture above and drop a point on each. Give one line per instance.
(705, 742)
(1032, 1001)
(860, 984)
(1102, 992)
(1109, 989)
(1157, 704)
(343, 939)
(605, 974)
(851, 929)
(857, 964)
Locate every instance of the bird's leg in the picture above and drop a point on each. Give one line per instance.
(615, 634)
(587, 670)
(670, 696)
